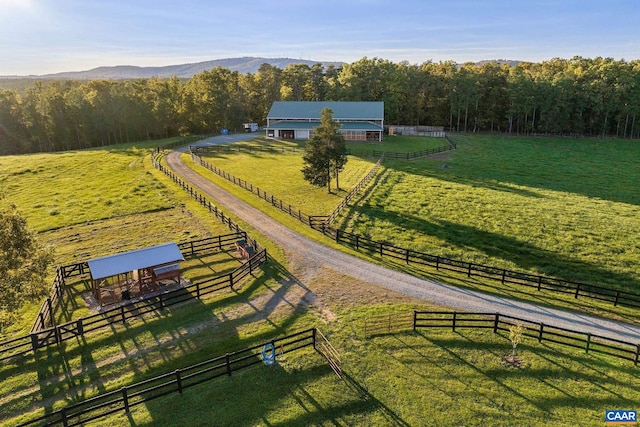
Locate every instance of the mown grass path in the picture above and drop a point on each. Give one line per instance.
(318, 255)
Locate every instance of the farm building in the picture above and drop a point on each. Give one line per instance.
(122, 276)
(361, 121)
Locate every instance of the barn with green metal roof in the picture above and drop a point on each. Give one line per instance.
(360, 121)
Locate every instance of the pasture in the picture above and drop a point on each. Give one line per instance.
(564, 208)
(408, 378)
(569, 228)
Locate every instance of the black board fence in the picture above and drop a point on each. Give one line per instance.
(355, 190)
(540, 331)
(237, 148)
(416, 154)
(533, 281)
(177, 381)
(29, 344)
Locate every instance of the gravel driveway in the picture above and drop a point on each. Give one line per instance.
(316, 255)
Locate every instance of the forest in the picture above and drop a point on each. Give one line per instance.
(577, 96)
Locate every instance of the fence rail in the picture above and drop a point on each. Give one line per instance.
(409, 256)
(229, 148)
(416, 154)
(387, 324)
(538, 330)
(324, 347)
(129, 396)
(355, 190)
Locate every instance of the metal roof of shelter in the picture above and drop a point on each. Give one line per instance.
(134, 260)
(295, 125)
(341, 110)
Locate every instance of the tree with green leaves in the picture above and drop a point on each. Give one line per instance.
(325, 153)
(23, 264)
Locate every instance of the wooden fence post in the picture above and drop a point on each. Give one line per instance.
(179, 381)
(635, 362)
(34, 342)
(415, 316)
(63, 415)
(122, 312)
(51, 319)
(496, 320)
(125, 399)
(577, 290)
(541, 332)
(227, 361)
(453, 323)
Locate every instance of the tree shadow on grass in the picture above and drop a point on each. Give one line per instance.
(609, 389)
(577, 167)
(525, 255)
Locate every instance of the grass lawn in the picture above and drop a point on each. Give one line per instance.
(280, 174)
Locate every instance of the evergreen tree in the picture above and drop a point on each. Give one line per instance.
(325, 153)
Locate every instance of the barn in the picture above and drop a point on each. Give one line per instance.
(361, 121)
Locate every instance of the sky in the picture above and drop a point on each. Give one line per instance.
(48, 36)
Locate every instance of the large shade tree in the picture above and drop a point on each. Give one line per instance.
(325, 153)
(23, 264)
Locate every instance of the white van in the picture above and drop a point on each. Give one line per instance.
(250, 127)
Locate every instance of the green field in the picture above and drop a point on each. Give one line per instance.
(460, 203)
(441, 205)
(564, 208)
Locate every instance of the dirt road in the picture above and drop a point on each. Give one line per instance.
(305, 254)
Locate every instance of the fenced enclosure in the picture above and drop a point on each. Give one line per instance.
(409, 256)
(43, 336)
(44, 317)
(310, 220)
(540, 331)
(177, 381)
(430, 131)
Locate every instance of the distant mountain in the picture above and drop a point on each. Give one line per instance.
(242, 65)
(509, 62)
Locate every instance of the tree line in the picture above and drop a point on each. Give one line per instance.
(577, 96)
